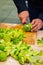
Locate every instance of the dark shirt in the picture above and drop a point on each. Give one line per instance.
(37, 3)
(21, 6)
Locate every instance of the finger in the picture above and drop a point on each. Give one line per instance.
(39, 26)
(35, 24)
(24, 20)
(35, 28)
(33, 21)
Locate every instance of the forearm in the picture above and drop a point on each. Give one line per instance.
(21, 5)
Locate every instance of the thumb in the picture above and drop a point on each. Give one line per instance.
(24, 20)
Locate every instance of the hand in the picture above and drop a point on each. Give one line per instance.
(24, 16)
(37, 24)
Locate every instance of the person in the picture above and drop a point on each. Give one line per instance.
(34, 11)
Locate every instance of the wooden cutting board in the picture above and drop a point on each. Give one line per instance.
(30, 37)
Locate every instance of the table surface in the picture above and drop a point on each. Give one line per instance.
(11, 61)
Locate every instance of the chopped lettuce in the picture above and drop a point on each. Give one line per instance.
(11, 43)
(40, 42)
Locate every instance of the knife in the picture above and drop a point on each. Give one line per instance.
(27, 22)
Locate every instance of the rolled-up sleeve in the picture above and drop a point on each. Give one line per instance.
(21, 5)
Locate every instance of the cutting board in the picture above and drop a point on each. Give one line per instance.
(30, 37)
(10, 60)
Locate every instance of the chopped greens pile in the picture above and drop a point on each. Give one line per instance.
(27, 27)
(8, 37)
(11, 43)
(40, 42)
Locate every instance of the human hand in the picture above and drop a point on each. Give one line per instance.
(36, 24)
(24, 16)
